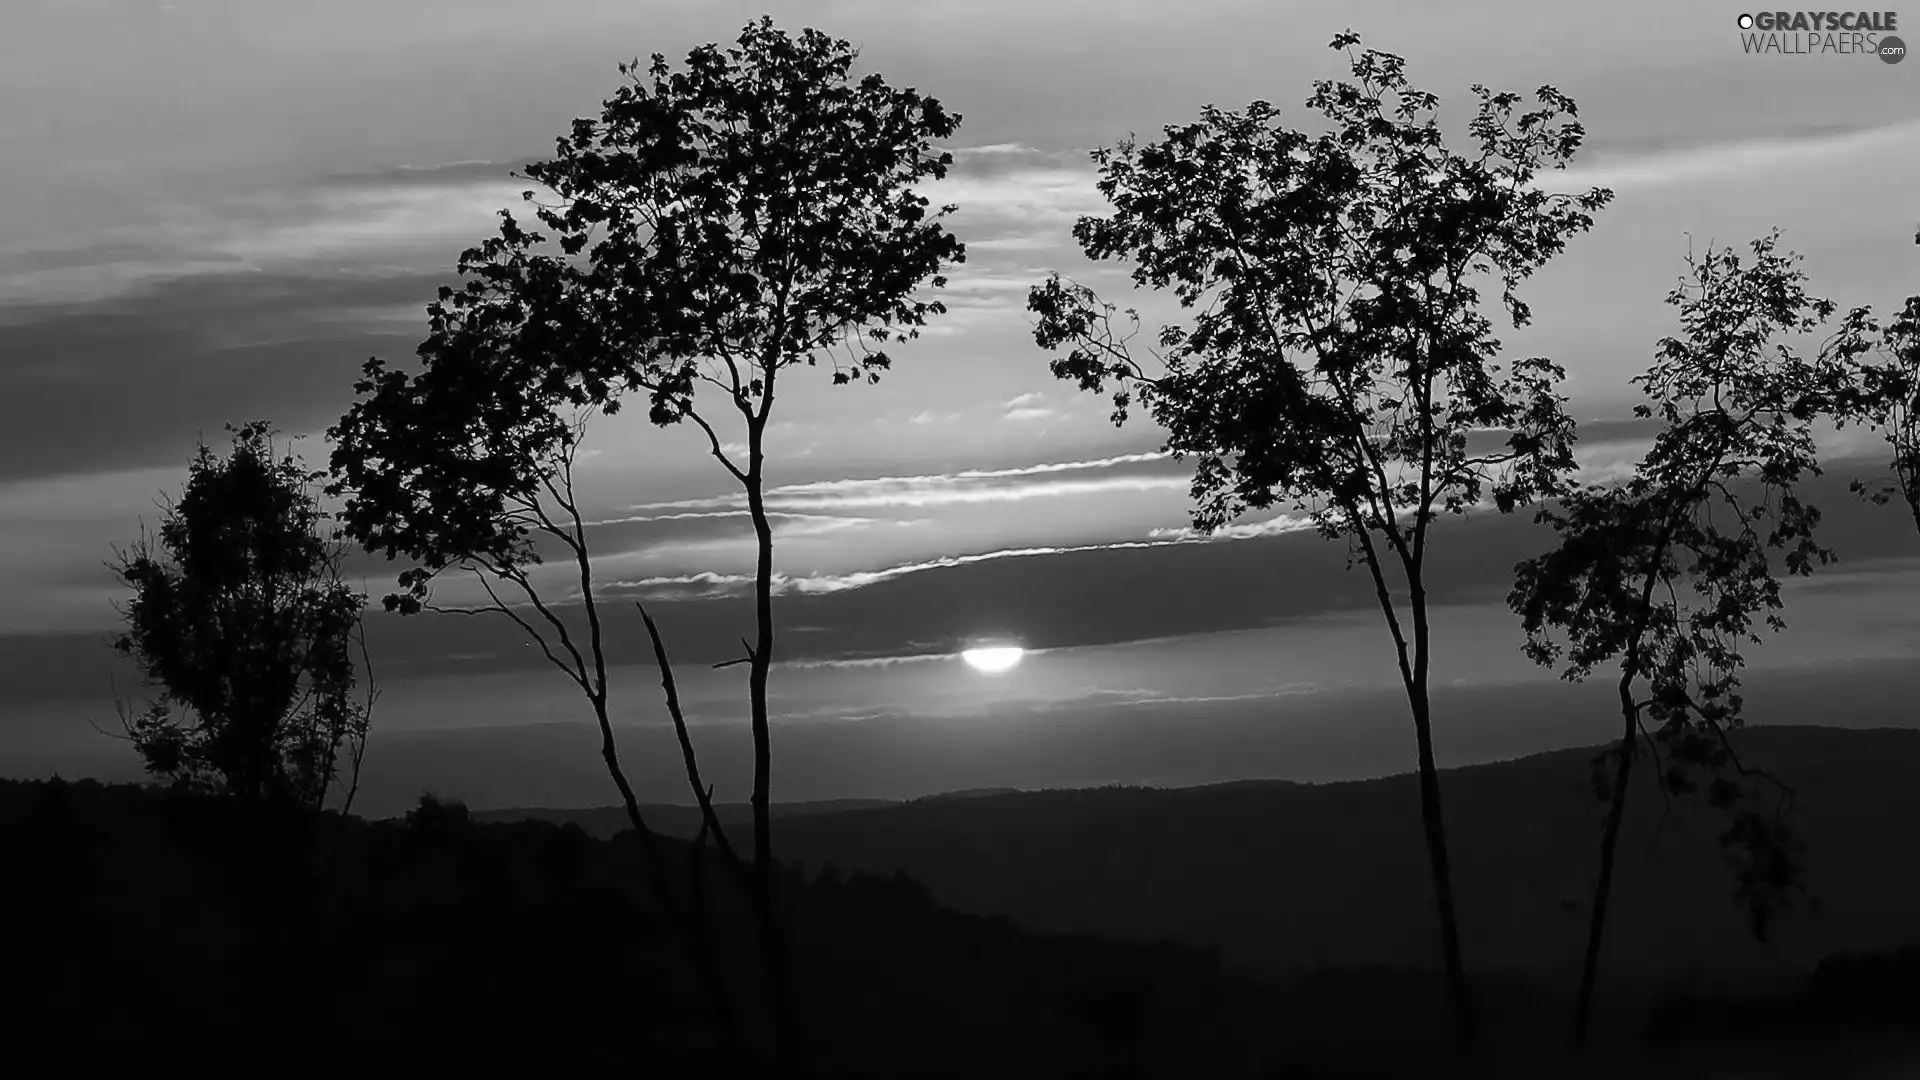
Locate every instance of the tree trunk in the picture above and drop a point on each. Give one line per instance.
(773, 944)
(1609, 841)
(697, 928)
(1617, 809)
(1414, 664)
(1436, 832)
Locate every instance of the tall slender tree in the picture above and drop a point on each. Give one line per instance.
(1671, 572)
(715, 227)
(1338, 360)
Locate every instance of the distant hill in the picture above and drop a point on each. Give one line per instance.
(605, 822)
(971, 793)
(1284, 877)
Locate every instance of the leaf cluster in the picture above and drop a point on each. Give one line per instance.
(1676, 567)
(1338, 356)
(1890, 390)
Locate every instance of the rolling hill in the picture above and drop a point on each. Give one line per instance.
(1285, 878)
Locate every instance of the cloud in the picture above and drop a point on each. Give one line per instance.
(707, 584)
(1020, 415)
(1018, 198)
(427, 222)
(711, 584)
(1273, 526)
(966, 486)
(1031, 397)
(1013, 282)
(397, 220)
(49, 276)
(1762, 158)
(701, 534)
(873, 661)
(922, 492)
(1152, 698)
(974, 297)
(1017, 242)
(158, 369)
(262, 305)
(1064, 466)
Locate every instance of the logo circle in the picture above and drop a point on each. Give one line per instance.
(1892, 50)
(1746, 22)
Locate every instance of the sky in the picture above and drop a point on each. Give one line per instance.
(216, 210)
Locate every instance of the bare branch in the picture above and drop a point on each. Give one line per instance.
(710, 822)
(747, 659)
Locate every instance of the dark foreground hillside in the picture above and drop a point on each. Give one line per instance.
(440, 943)
(146, 931)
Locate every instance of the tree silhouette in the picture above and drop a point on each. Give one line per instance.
(1338, 362)
(1671, 570)
(713, 228)
(241, 622)
(1891, 389)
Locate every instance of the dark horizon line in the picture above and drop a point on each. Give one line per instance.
(1010, 790)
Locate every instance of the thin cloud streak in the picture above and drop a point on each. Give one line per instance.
(931, 494)
(719, 585)
(1029, 414)
(697, 515)
(1276, 526)
(938, 489)
(1745, 159)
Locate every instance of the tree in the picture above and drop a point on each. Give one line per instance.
(1891, 393)
(1338, 361)
(1672, 571)
(241, 622)
(714, 227)
(240, 619)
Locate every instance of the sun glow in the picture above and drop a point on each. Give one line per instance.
(994, 659)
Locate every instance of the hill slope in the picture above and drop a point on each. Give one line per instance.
(168, 926)
(1284, 877)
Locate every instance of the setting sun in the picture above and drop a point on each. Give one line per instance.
(993, 660)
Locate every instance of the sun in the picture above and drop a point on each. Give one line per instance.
(994, 659)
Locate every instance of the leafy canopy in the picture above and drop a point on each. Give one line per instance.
(756, 210)
(1338, 357)
(240, 620)
(1679, 561)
